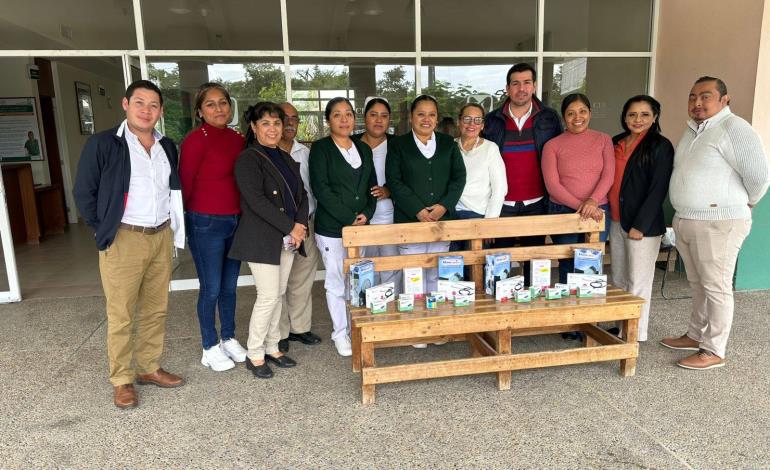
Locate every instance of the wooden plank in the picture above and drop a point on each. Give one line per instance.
(411, 341)
(630, 334)
(474, 258)
(599, 335)
(481, 365)
(355, 342)
(546, 330)
(480, 344)
(367, 361)
(421, 232)
(504, 348)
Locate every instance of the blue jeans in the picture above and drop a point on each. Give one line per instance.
(210, 238)
(460, 245)
(568, 265)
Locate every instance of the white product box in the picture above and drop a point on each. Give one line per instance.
(452, 288)
(540, 272)
(385, 292)
(506, 289)
(405, 302)
(597, 282)
(413, 283)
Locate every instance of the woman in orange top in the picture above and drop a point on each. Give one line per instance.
(643, 163)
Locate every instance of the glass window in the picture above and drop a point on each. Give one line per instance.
(313, 85)
(351, 25)
(491, 25)
(598, 25)
(68, 24)
(608, 83)
(212, 24)
(454, 82)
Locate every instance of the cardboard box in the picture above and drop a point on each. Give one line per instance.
(588, 261)
(378, 306)
(462, 300)
(535, 291)
(540, 272)
(585, 291)
(452, 288)
(552, 293)
(413, 282)
(361, 278)
(385, 292)
(430, 302)
(506, 289)
(405, 302)
(497, 267)
(440, 296)
(450, 268)
(565, 291)
(523, 296)
(597, 282)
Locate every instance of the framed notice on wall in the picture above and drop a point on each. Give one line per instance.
(85, 108)
(19, 130)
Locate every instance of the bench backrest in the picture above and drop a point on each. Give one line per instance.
(476, 231)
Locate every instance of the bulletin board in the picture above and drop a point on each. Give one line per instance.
(20, 138)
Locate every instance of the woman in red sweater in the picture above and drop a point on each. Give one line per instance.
(212, 210)
(578, 169)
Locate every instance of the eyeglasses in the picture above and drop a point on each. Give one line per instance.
(472, 120)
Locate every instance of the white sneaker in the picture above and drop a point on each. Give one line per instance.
(343, 346)
(420, 346)
(233, 349)
(216, 359)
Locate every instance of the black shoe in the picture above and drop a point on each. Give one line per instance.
(572, 335)
(615, 331)
(283, 345)
(283, 362)
(263, 372)
(305, 338)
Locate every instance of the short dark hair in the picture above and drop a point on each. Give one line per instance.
(203, 90)
(518, 68)
(654, 105)
(374, 101)
(258, 111)
(333, 102)
(422, 98)
(147, 85)
(721, 87)
(571, 98)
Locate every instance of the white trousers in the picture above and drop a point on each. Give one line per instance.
(333, 255)
(270, 280)
(384, 276)
(633, 268)
(430, 276)
(709, 250)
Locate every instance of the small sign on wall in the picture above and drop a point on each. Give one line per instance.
(19, 130)
(33, 71)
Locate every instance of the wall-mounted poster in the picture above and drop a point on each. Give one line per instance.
(19, 130)
(85, 108)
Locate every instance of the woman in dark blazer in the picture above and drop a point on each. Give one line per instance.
(643, 163)
(426, 176)
(272, 228)
(341, 173)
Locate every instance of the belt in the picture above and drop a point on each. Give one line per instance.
(145, 230)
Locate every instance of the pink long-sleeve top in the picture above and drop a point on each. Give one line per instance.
(579, 166)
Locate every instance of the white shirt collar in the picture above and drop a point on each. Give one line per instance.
(520, 121)
(426, 149)
(124, 128)
(712, 121)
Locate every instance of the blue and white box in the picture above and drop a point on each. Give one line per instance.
(588, 261)
(361, 278)
(450, 268)
(498, 267)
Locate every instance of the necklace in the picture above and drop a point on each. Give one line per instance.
(463, 145)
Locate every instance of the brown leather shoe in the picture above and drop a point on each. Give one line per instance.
(125, 396)
(702, 360)
(161, 378)
(683, 342)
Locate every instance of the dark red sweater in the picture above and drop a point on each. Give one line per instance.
(522, 166)
(206, 165)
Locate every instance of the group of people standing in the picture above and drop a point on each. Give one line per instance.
(268, 200)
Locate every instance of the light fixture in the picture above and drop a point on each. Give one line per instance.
(179, 7)
(371, 7)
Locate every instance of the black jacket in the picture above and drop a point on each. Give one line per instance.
(101, 185)
(545, 125)
(644, 186)
(264, 222)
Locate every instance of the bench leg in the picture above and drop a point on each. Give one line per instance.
(367, 360)
(629, 334)
(589, 340)
(355, 340)
(504, 347)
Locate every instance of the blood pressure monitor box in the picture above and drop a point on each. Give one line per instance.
(382, 292)
(453, 288)
(597, 283)
(588, 261)
(361, 278)
(450, 268)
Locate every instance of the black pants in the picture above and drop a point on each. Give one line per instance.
(536, 208)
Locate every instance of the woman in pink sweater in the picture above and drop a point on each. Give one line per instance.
(578, 168)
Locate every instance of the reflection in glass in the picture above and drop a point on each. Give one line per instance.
(598, 25)
(212, 24)
(351, 25)
(608, 83)
(491, 25)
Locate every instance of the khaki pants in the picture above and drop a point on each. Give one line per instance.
(270, 280)
(633, 268)
(135, 272)
(709, 250)
(297, 305)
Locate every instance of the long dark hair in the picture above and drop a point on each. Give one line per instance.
(256, 112)
(643, 153)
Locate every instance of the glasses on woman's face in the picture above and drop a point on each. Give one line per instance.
(472, 120)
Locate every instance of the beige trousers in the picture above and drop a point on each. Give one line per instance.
(297, 303)
(135, 272)
(633, 268)
(270, 280)
(709, 250)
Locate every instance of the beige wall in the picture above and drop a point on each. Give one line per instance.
(761, 115)
(706, 37)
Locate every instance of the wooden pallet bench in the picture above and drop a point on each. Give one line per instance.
(486, 325)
